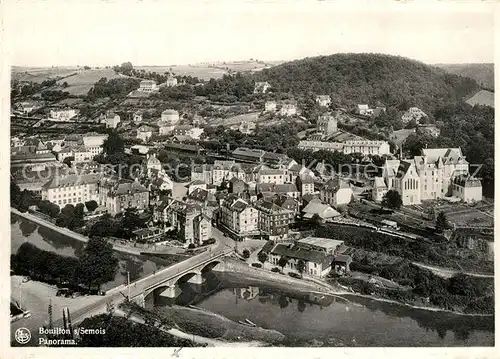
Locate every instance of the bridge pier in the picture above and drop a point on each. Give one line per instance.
(171, 292)
(197, 279)
(140, 300)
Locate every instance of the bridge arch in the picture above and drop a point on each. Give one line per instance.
(211, 265)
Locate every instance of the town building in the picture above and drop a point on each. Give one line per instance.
(247, 127)
(323, 100)
(367, 147)
(247, 154)
(305, 184)
(72, 189)
(288, 109)
(270, 106)
(191, 223)
(93, 143)
(316, 263)
(81, 154)
(239, 217)
(467, 188)
(171, 82)
(413, 114)
(168, 121)
(321, 145)
(32, 158)
(379, 189)
(148, 86)
(117, 195)
(327, 124)
(364, 110)
(285, 202)
(137, 117)
(261, 87)
(336, 192)
(144, 133)
(315, 207)
(111, 120)
(62, 115)
(325, 245)
(273, 220)
(271, 189)
(271, 175)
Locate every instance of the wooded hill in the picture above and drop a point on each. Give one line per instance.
(352, 79)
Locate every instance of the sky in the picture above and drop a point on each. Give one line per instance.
(98, 33)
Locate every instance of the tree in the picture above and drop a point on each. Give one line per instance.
(283, 261)
(442, 222)
(392, 199)
(97, 263)
(91, 205)
(262, 257)
(113, 145)
(67, 161)
(301, 266)
(246, 253)
(65, 84)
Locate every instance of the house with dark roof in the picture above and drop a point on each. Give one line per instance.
(316, 263)
(468, 188)
(239, 217)
(285, 202)
(274, 220)
(271, 189)
(336, 192)
(117, 195)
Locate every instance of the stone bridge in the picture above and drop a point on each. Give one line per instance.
(190, 270)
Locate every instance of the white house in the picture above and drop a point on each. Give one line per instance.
(62, 115)
(144, 133)
(323, 100)
(270, 106)
(148, 86)
(467, 188)
(365, 110)
(336, 192)
(367, 147)
(171, 82)
(137, 117)
(261, 87)
(413, 113)
(112, 120)
(288, 109)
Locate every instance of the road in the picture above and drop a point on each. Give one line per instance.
(448, 272)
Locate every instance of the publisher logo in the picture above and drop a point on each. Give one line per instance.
(22, 335)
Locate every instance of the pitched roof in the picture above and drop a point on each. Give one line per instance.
(276, 188)
(73, 180)
(334, 184)
(404, 166)
(298, 252)
(324, 211)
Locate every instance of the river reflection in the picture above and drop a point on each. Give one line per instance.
(23, 230)
(312, 319)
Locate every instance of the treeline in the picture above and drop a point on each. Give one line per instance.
(440, 254)
(460, 292)
(114, 88)
(278, 138)
(21, 200)
(353, 79)
(95, 266)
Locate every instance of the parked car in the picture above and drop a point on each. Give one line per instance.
(62, 292)
(276, 270)
(294, 275)
(257, 265)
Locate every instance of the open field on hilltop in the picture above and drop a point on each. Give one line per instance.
(202, 72)
(81, 83)
(483, 97)
(40, 74)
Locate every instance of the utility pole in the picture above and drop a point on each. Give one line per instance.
(21, 295)
(128, 281)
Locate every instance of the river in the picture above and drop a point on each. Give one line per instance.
(23, 230)
(302, 318)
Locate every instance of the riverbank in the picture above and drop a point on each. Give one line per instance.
(257, 276)
(71, 234)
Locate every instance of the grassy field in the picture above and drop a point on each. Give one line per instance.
(202, 72)
(40, 74)
(400, 136)
(81, 83)
(483, 97)
(463, 215)
(236, 120)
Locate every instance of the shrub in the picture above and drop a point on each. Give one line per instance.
(257, 265)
